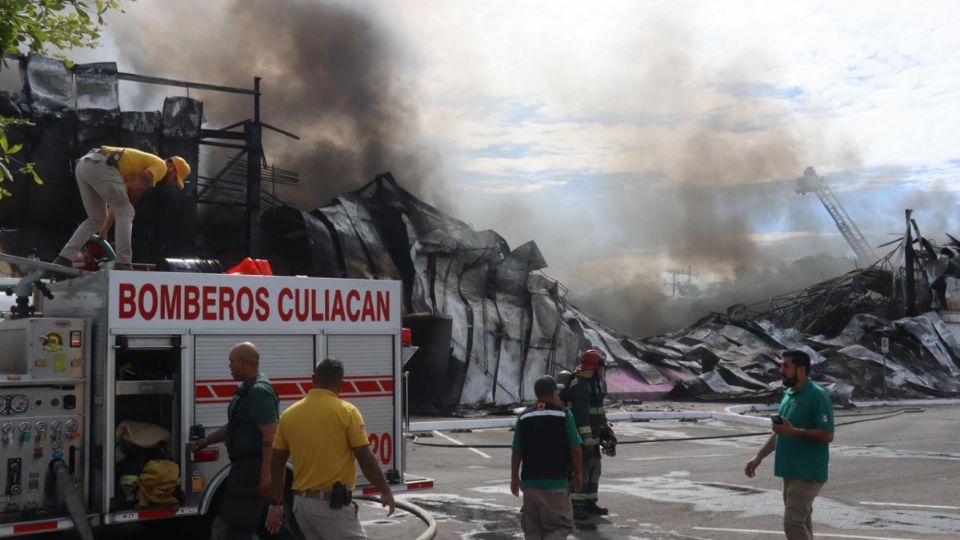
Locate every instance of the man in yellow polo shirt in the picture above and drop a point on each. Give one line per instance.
(111, 180)
(324, 437)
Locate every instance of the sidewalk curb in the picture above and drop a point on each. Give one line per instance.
(733, 413)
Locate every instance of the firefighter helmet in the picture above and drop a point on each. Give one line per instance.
(592, 359)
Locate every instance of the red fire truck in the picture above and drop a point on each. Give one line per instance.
(110, 351)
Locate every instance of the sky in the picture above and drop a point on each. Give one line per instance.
(551, 106)
(623, 137)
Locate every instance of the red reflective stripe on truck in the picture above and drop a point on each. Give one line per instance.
(287, 389)
(368, 386)
(408, 486)
(156, 513)
(224, 390)
(35, 527)
(210, 391)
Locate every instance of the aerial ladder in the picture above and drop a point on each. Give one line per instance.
(811, 183)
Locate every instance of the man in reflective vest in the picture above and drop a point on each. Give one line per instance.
(585, 397)
(547, 446)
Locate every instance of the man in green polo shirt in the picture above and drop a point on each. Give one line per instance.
(251, 425)
(801, 436)
(547, 445)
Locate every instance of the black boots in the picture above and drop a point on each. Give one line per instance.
(592, 508)
(579, 514)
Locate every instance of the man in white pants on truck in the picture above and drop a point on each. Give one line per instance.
(111, 180)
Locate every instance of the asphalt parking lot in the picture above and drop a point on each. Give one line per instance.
(890, 479)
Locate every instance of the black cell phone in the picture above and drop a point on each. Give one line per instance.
(776, 419)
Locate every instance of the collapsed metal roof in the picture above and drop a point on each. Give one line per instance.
(490, 321)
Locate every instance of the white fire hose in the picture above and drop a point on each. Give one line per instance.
(425, 516)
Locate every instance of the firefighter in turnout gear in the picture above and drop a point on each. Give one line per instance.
(585, 396)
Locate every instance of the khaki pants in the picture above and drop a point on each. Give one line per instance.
(546, 514)
(798, 498)
(320, 522)
(101, 185)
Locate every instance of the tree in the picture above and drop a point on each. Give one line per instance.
(41, 26)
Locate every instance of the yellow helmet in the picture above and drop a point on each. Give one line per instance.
(183, 169)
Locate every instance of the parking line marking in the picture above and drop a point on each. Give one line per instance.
(908, 505)
(679, 457)
(498, 481)
(819, 534)
(454, 441)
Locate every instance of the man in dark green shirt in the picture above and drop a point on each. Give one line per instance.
(547, 445)
(802, 433)
(251, 424)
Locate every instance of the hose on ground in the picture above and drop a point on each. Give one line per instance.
(870, 418)
(72, 499)
(424, 516)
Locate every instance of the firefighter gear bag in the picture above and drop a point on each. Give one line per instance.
(158, 483)
(141, 435)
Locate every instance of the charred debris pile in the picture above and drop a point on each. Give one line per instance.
(489, 321)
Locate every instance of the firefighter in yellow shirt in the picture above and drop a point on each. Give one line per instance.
(324, 437)
(111, 180)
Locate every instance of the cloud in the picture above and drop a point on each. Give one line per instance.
(511, 188)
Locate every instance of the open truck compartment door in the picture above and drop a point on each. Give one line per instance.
(145, 388)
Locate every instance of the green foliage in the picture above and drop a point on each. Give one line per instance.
(39, 25)
(42, 26)
(7, 159)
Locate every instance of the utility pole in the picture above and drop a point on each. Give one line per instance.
(909, 285)
(674, 272)
(252, 132)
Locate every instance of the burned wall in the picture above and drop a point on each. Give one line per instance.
(504, 322)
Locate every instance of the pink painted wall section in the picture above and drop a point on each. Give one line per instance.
(625, 384)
